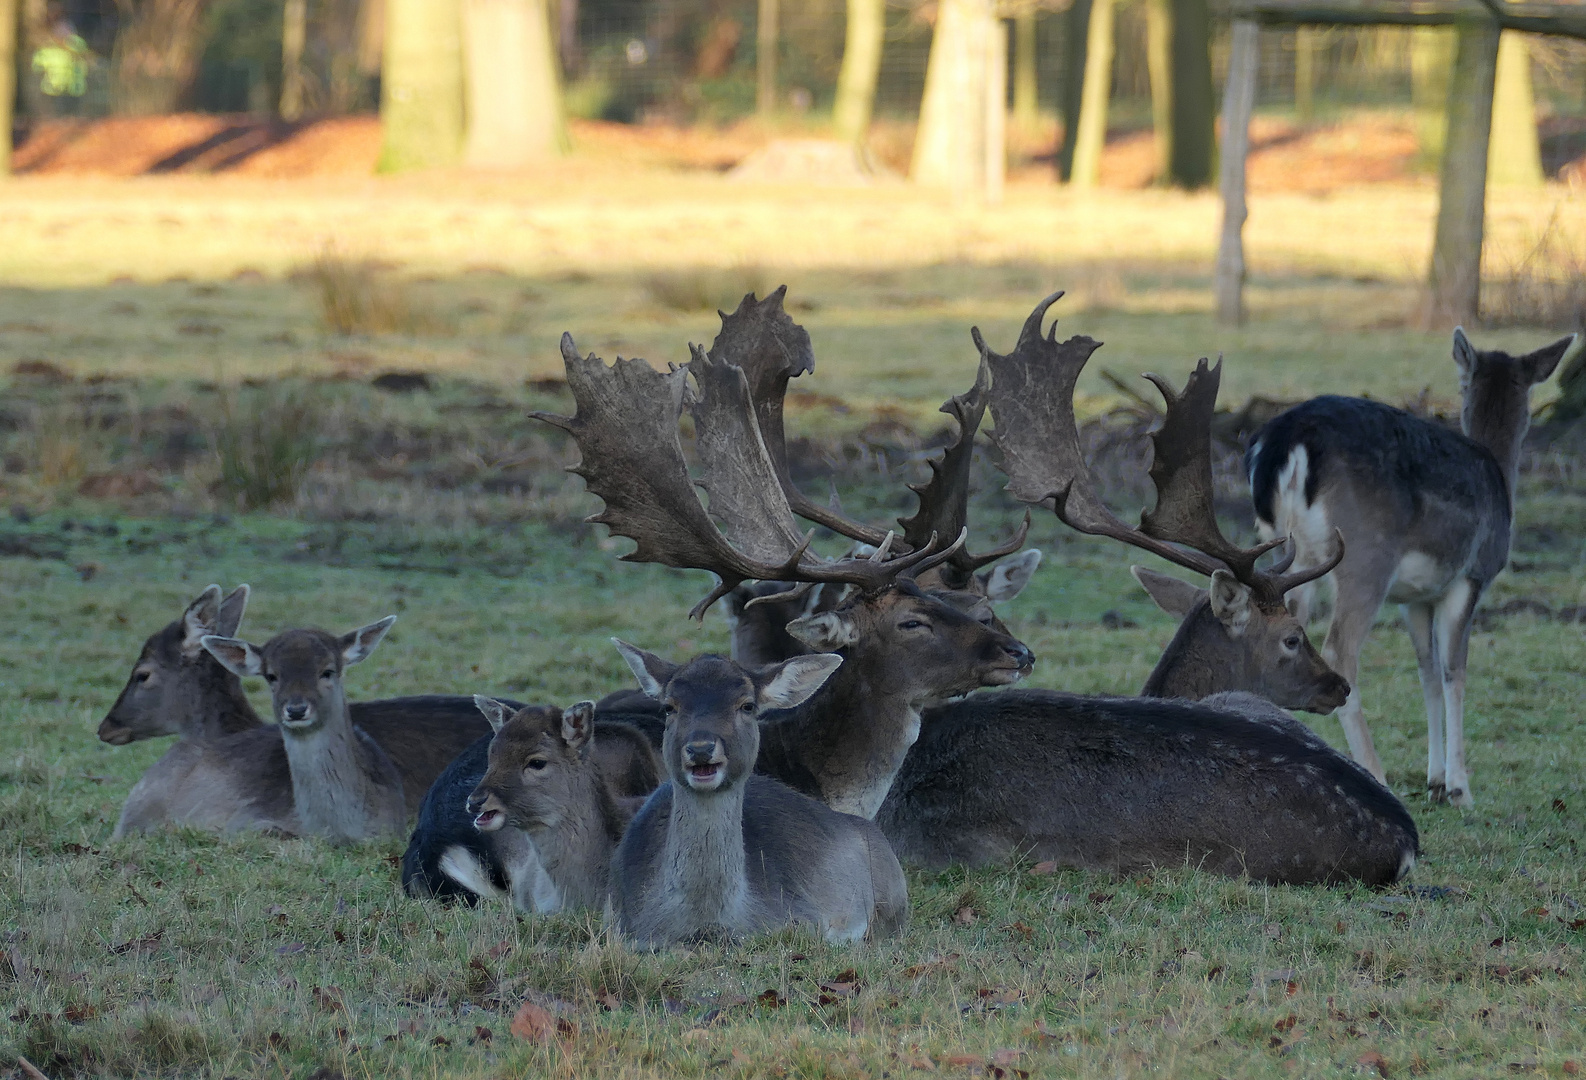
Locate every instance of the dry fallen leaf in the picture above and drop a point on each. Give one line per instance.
(536, 1023)
(327, 999)
(1044, 868)
(1006, 1057)
(962, 1061)
(1373, 1060)
(964, 916)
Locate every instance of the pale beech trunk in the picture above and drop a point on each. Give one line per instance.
(514, 99)
(766, 36)
(1093, 102)
(995, 141)
(294, 36)
(1431, 62)
(371, 36)
(1159, 63)
(1239, 98)
(954, 142)
(421, 85)
(1514, 156)
(1194, 150)
(1026, 86)
(8, 85)
(856, 81)
(1454, 281)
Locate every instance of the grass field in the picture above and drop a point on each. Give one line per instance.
(188, 955)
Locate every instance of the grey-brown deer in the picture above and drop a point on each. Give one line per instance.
(1427, 513)
(1233, 786)
(719, 852)
(904, 648)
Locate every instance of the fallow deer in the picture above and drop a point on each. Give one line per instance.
(904, 648)
(1427, 513)
(1123, 783)
(601, 773)
(720, 852)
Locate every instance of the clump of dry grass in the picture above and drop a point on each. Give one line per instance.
(1545, 286)
(265, 440)
(363, 296)
(705, 288)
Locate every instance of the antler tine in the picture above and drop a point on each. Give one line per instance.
(944, 499)
(1032, 403)
(762, 339)
(1276, 584)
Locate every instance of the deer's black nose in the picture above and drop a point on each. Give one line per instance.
(700, 749)
(1020, 653)
(476, 803)
(296, 711)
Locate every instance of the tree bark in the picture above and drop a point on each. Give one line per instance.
(856, 81)
(994, 145)
(155, 54)
(1194, 148)
(8, 82)
(1092, 133)
(568, 45)
(1239, 98)
(765, 57)
(1076, 27)
(1514, 157)
(1026, 84)
(1454, 280)
(421, 86)
(371, 36)
(1305, 73)
(1159, 62)
(294, 36)
(514, 99)
(953, 143)
(1431, 62)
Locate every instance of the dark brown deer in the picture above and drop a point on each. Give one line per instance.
(719, 852)
(1428, 514)
(1123, 783)
(903, 648)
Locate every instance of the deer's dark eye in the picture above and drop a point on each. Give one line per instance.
(270, 679)
(140, 677)
(538, 763)
(668, 709)
(747, 706)
(328, 673)
(911, 624)
(1291, 642)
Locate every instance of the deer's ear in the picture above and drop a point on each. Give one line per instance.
(1009, 577)
(1539, 365)
(357, 644)
(1464, 353)
(652, 672)
(1230, 602)
(790, 683)
(578, 725)
(234, 654)
(201, 618)
(825, 631)
(231, 609)
(1172, 595)
(495, 712)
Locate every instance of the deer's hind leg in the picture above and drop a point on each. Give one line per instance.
(1360, 591)
(1419, 619)
(1451, 626)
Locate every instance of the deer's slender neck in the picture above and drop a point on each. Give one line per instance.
(1500, 426)
(337, 780)
(703, 870)
(1197, 662)
(576, 851)
(849, 740)
(223, 709)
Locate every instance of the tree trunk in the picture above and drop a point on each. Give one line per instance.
(155, 54)
(954, 143)
(1026, 84)
(568, 45)
(421, 86)
(856, 81)
(1514, 157)
(1305, 73)
(1092, 133)
(1076, 27)
(1159, 62)
(371, 36)
(1454, 281)
(994, 144)
(8, 82)
(514, 100)
(1194, 104)
(1239, 98)
(1431, 62)
(765, 57)
(294, 36)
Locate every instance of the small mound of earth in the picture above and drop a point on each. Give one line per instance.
(817, 162)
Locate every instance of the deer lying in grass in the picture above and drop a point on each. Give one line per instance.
(312, 772)
(1124, 783)
(554, 789)
(1427, 513)
(720, 852)
(904, 648)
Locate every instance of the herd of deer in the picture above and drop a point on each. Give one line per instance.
(783, 784)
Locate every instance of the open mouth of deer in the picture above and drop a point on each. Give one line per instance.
(1007, 674)
(489, 820)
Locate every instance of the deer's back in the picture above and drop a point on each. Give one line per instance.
(1123, 783)
(421, 735)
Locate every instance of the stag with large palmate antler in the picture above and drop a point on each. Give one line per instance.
(903, 648)
(1233, 785)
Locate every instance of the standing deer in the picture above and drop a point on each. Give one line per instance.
(344, 787)
(1123, 783)
(554, 793)
(904, 648)
(720, 852)
(1427, 513)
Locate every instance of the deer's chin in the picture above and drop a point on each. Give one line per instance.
(490, 821)
(1004, 676)
(115, 736)
(706, 777)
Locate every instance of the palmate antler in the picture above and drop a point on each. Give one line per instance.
(626, 427)
(1032, 404)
